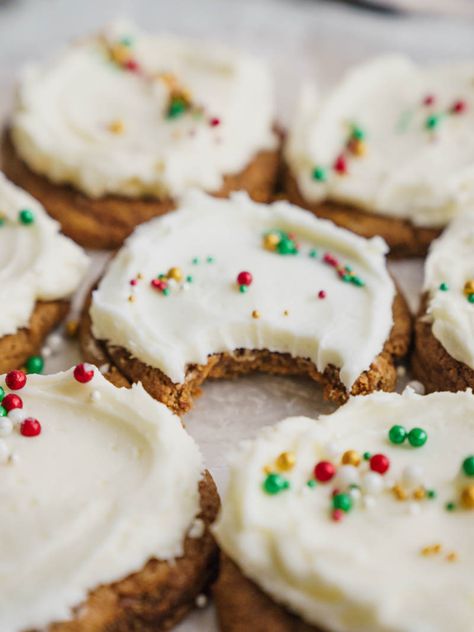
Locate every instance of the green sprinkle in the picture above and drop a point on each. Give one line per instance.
(357, 281)
(417, 437)
(127, 41)
(470, 298)
(320, 174)
(444, 287)
(275, 483)
(357, 132)
(431, 494)
(2, 221)
(166, 291)
(468, 466)
(244, 288)
(189, 278)
(210, 260)
(313, 253)
(2, 394)
(342, 501)
(397, 434)
(432, 121)
(311, 483)
(450, 506)
(176, 108)
(195, 261)
(3, 411)
(34, 364)
(26, 216)
(287, 246)
(347, 278)
(366, 456)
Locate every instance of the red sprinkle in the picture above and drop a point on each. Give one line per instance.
(337, 515)
(379, 463)
(244, 278)
(429, 99)
(214, 122)
(459, 107)
(82, 374)
(324, 471)
(11, 401)
(330, 260)
(15, 380)
(133, 282)
(30, 427)
(321, 294)
(159, 284)
(340, 165)
(132, 65)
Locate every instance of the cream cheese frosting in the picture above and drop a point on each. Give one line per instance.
(102, 115)
(399, 560)
(92, 498)
(449, 282)
(331, 301)
(392, 138)
(37, 263)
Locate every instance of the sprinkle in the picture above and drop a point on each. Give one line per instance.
(467, 497)
(469, 287)
(452, 557)
(340, 165)
(116, 127)
(432, 121)
(286, 461)
(431, 494)
(286, 312)
(311, 483)
(313, 253)
(417, 437)
(351, 457)
(195, 261)
(468, 465)
(95, 396)
(413, 474)
(450, 506)
(30, 427)
(459, 107)
(357, 147)
(72, 327)
(271, 241)
(444, 287)
(189, 279)
(324, 471)
(244, 278)
(15, 380)
(255, 314)
(131, 298)
(397, 434)
(399, 492)
(34, 364)
(433, 549)
(214, 122)
(320, 174)
(210, 259)
(275, 483)
(429, 100)
(6, 426)
(201, 601)
(419, 494)
(175, 273)
(244, 288)
(366, 456)
(26, 217)
(83, 373)
(132, 65)
(321, 294)
(379, 463)
(337, 515)
(342, 501)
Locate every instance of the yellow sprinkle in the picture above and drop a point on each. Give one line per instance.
(71, 328)
(419, 493)
(358, 148)
(351, 457)
(255, 313)
(433, 549)
(467, 497)
(131, 298)
(469, 287)
(117, 127)
(119, 53)
(267, 469)
(175, 273)
(271, 241)
(452, 557)
(286, 461)
(399, 492)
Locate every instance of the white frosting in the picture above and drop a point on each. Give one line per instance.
(65, 108)
(451, 262)
(37, 263)
(92, 498)
(365, 573)
(348, 328)
(408, 172)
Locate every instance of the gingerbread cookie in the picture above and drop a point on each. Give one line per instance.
(223, 287)
(113, 131)
(388, 152)
(103, 527)
(443, 357)
(40, 269)
(353, 522)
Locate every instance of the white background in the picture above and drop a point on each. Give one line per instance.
(303, 39)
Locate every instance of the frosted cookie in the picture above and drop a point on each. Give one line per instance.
(109, 133)
(105, 507)
(224, 287)
(355, 522)
(39, 270)
(389, 152)
(443, 357)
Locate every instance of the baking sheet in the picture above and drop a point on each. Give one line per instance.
(302, 39)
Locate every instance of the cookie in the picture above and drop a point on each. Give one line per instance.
(383, 152)
(141, 119)
(353, 521)
(443, 357)
(113, 532)
(40, 270)
(225, 287)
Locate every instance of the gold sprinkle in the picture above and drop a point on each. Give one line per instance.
(358, 147)
(119, 53)
(419, 493)
(286, 312)
(467, 497)
(71, 328)
(255, 313)
(271, 241)
(469, 287)
(131, 298)
(399, 492)
(117, 127)
(351, 457)
(452, 557)
(286, 461)
(175, 273)
(140, 276)
(267, 469)
(434, 549)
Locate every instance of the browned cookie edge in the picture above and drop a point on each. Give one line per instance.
(103, 223)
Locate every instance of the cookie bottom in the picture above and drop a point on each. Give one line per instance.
(124, 368)
(159, 595)
(104, 223)
(16, 348)
(432, 365)
(404, 238)
(242, 606)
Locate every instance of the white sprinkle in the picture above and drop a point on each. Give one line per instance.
(373, 483)
(46, 352)
(413, 475)
(417, 387)
(197, 529)
(17, 416)
(414, 509)
(4, 452)
(369, 502)
(347, 475)
(332, 451)
(95, 396)
(201, 601)
(185, 287)
(355, 494)
(401, 370)
(6, 426)
(54, 342)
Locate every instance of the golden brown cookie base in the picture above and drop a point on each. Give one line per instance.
(432, 365)
(382, 374)
(158, 596)
(404, 238)
(243, 607)
(105, 222)
(16, 348)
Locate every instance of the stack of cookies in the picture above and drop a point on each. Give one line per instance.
(235, 252)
